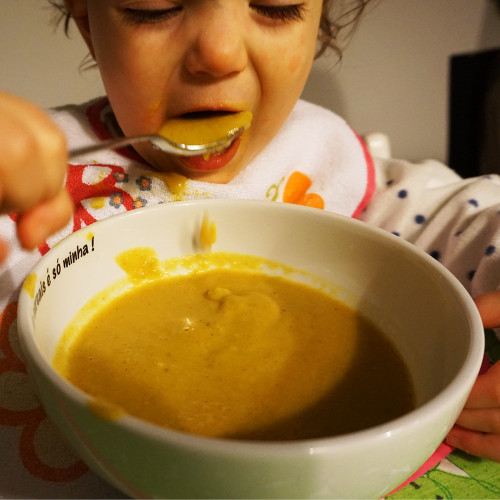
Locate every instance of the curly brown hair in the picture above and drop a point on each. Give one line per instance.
(338, 19)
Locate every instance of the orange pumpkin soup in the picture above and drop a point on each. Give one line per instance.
(226, 350)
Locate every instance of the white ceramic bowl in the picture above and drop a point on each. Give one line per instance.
(427, 313)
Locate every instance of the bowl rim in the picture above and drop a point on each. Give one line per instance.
(422, 413)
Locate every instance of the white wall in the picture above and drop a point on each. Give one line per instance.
(393, 78)
(394, 75)
(37, 61)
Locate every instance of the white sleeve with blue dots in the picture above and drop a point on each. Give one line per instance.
(455, 220)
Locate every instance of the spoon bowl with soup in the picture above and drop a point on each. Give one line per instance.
(190, 137)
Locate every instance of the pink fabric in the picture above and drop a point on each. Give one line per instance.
(442, 452)
(370, 182)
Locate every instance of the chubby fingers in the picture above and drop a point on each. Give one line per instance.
(477, 430)
(476, 443)
(4, 250)
(488, 306)
(485, 420)
(34, 156)
(486, 390)
(44, 219)
(33, 165)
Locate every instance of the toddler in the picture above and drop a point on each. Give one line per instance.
(178, 58)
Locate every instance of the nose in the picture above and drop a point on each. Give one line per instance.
(218, 48)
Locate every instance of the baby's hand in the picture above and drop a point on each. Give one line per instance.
(478, 426)
(32, 169)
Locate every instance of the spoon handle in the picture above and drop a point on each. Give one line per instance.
(159, 142)
(114, 144)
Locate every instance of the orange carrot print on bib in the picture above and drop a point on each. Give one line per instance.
(296, 189)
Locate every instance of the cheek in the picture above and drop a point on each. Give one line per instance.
(296, 58)
(295, 63)
(300, 56)
(135, 87)
(291, 73)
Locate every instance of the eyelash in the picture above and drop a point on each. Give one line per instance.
(281, 13)
(276, 13)
(145, 16)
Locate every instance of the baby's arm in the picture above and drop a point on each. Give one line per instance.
(478, 426)
(32, 170)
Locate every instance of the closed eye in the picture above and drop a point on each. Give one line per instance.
(281, 13)
(149, 16)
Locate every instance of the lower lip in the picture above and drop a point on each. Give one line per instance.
(214, 162)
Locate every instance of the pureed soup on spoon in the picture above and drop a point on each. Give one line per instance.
(208, 128)
(201, 128)
(232, 346)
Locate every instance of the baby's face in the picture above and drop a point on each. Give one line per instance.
(166, 58)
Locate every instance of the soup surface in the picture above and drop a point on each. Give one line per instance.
(231, 351)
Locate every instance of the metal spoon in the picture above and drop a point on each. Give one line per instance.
(162, 143)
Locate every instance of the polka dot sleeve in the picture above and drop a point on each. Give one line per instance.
(455, 220)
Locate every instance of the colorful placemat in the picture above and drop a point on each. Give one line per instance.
(457, 476)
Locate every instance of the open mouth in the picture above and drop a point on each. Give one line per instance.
(205, 114)
(210, 126)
